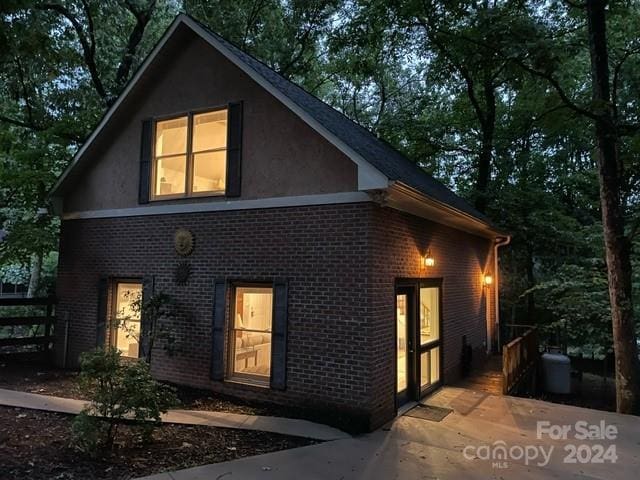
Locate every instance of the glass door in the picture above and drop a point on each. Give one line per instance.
(418, 338)
(429, 336)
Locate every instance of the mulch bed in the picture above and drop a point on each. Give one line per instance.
(45, 380)
(35, 445)
(36, 378)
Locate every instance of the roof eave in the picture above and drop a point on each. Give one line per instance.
(408, 199)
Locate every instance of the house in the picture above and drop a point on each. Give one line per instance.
(311, 263)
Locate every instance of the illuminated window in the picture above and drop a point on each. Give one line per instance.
(429, 315)
(251, 334)
(190, 156)
(126, 331)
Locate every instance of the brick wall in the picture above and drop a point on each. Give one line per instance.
(399, 242)
(341, 262)
(319, 250)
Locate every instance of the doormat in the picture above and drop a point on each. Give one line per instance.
(429, 412)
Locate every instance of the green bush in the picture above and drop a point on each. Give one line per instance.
(120, 390)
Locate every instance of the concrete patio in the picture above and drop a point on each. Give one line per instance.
(413, 448)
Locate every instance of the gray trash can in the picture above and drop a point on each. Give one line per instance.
(556, 373)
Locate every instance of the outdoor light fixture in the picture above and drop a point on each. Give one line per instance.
(488, 280)
(429, 261)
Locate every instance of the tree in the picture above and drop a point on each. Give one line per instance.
(63, 63)
(285, 34)
(603, 112)
(617, 244)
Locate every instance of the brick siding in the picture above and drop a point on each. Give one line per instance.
(399, 242)
(340, 261)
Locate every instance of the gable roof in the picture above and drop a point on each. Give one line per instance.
(376, 159)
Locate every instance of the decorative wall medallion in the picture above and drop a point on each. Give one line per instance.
(183, 271)
(183, 241)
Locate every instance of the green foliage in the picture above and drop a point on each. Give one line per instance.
(119, 390)
(89, 434)
(444, 82)
(158, 314)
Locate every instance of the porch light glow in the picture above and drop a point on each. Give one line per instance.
(429, 261)
(488, 280)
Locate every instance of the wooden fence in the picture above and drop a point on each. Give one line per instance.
(26, 329)
(520, 362)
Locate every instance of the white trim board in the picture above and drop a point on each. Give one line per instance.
(228, 205)
(369, 177)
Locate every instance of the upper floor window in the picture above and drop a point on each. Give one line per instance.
(190, 155)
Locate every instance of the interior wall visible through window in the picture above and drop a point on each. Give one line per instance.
(251, 334)
(126, 318)
(190, 155)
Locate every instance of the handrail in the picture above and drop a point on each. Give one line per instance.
(519, 359)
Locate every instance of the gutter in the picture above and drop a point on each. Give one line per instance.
(499, 242)
(468, 218)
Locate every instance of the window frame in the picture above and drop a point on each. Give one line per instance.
(113, 311)
(189, 154)
(230, 374)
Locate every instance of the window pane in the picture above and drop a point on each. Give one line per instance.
(430, 367)
(209, 171)
(429, 315)
(253, 308)
(425, 371)
(435, 364)
(401, 348)
(210, 131)
(170, 175)
(171, 137)
(128, 318)
(252, 332)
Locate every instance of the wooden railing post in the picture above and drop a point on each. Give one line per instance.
(519, 361)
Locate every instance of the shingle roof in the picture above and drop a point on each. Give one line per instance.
(377, 152)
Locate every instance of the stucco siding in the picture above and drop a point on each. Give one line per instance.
(282, 155)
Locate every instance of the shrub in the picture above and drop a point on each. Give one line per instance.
(120, 390)
(158, 314)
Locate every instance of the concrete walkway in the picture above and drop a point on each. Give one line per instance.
(413, 448)
(286, 426)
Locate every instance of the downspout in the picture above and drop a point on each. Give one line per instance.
(500, 242)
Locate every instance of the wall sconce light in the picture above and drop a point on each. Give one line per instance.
(488, 280)
(429, 261)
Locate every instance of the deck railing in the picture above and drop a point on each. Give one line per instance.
(26, 325)
(519, 362)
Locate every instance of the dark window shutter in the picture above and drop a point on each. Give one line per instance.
(279, 336)
(146, 149)
(217, 332)
(101, 324)
(234, 149)
(148, 286)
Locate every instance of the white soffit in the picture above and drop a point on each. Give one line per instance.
(406, 199)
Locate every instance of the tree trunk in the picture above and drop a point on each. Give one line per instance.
(488, 126)
(617, 245)
(34, 276)
(531, 282)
